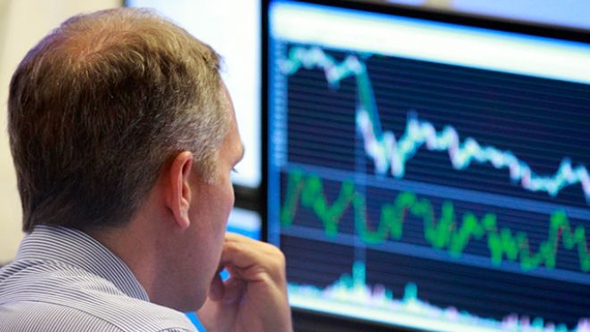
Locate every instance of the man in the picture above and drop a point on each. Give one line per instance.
(124, 137)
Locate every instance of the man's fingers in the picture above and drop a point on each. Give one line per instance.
(251, 256)
(255, 295)
(246, 260)
(216, 290)
(234, 290)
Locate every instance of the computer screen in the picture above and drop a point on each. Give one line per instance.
(232, 28)
(428, 171)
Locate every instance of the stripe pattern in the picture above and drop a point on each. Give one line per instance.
(64, 280)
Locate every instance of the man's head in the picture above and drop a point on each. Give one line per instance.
(100, 105)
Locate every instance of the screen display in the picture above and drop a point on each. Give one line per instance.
(426, 174)
(232, 28)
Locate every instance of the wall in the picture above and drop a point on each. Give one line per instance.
(22, 24)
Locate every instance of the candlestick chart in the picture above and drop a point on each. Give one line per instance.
(417, 189)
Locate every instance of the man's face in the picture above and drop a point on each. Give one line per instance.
(210, 207)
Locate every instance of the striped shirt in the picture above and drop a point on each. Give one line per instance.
(64, 280)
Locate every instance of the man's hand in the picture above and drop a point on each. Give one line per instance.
(254, 298)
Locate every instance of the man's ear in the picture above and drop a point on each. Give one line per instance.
(178, 196)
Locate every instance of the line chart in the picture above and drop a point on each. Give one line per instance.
(447, 231)
(390, 153)
(379, 298)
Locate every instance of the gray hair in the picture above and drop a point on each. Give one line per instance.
(100, 105)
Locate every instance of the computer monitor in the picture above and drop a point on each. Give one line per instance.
(428, 171)
(232, 28)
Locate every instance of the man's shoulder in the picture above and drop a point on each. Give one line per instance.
(50, 296)
(42, 316)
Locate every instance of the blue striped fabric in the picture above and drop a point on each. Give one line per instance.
(64, 280)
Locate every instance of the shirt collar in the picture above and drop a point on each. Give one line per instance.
(78, 249)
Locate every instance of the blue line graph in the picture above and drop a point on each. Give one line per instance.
(390, 153)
